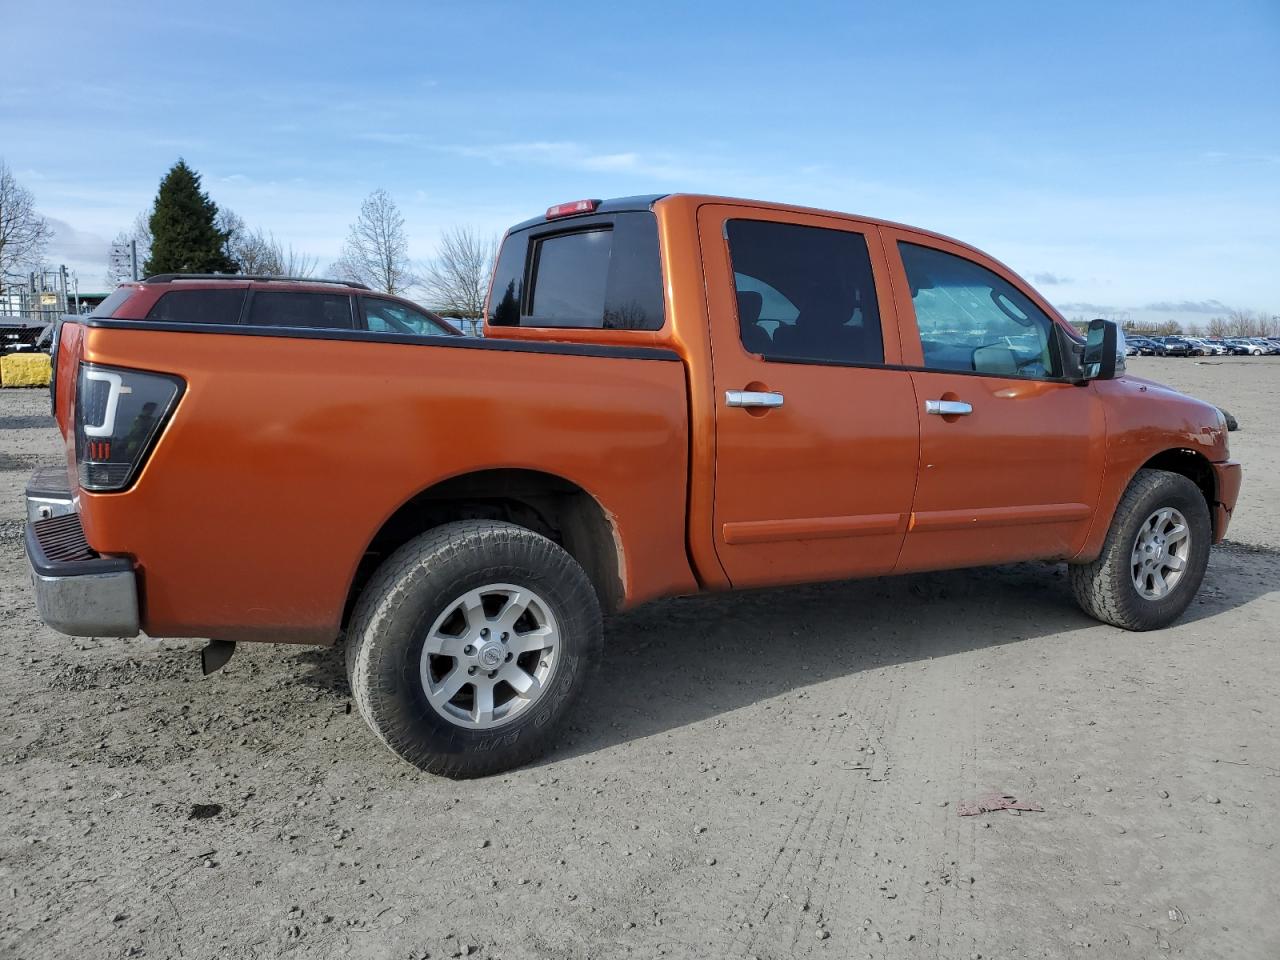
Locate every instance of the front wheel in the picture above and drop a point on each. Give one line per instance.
(1154, 557)
(469, 646)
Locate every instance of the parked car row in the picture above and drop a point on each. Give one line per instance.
(1178, 346)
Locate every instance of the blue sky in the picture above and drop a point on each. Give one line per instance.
(1125, 157)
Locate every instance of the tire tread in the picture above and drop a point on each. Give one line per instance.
(1103, 587)
(396, 583)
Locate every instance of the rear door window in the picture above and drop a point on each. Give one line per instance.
(316, 310)
(805, 293)
(198, 306)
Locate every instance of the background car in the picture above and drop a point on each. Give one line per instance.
(1218, 348)
(1259, 346)
(1140, 345)
(261, 301)
(1178, 347)
(1232, 346)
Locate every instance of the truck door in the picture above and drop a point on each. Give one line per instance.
(1011, 452)
(817, 439)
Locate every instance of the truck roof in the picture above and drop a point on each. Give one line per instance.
(647, 201)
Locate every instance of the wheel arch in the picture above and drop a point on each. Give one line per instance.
(543, 502)
(1193, 465)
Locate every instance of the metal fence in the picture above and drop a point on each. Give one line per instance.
(37, 298)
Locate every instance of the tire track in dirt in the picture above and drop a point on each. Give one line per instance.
(802, 893)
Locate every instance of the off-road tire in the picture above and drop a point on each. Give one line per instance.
(396, 610)
(1105, 588)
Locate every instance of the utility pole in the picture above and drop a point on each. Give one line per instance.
(133, 256)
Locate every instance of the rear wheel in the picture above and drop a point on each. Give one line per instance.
(1154, 557)
(469, 646)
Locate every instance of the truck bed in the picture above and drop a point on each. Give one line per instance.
(333, 431)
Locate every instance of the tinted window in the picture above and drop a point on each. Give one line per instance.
(972, 319)
(804, 293)
(603, 275)
(108, 306)
(198, 306)
(507, 293)
(331, 310)
(387, 316)
(570, 275)
(634, 298)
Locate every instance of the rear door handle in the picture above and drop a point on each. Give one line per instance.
(752, 398)
(948, 408)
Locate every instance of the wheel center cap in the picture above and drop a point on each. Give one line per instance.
(491, 654)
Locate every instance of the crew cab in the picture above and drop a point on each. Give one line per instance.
(673, 394)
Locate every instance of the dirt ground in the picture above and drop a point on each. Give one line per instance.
(773, 774)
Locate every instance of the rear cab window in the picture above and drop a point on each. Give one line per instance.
(599, 272)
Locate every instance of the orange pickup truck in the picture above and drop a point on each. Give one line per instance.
(673, 394)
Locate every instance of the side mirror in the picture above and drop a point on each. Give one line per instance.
(1103, 351)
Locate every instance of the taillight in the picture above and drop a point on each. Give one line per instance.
(119, 413)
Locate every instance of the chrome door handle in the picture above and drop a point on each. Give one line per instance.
(948, 408)
(751, 398)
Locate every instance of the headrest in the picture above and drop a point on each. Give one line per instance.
(749, 304)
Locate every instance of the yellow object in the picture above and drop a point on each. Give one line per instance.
(25, 370)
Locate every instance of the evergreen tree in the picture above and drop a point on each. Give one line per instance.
(184, 234)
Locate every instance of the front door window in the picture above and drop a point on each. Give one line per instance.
(972, 320)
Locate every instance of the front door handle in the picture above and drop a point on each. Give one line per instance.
(948, 408)
(752, 398)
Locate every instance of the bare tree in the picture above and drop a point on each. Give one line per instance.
(258, 253)
(239, 242)
(24, 234)
(141, 233)
(1251, 323)
(457, 280)
(377, 251)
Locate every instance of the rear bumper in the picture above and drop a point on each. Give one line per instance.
(1227, 476)
(49, 494)
(78, 592)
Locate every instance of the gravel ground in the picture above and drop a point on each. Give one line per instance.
(771, 774)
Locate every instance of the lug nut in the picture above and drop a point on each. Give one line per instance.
(510, 656)
(492, 675)
(484, 631)
(471, 671)
(505, 636)
(468, 649)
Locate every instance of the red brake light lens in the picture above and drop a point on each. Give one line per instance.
(572, 208)
(119, 413)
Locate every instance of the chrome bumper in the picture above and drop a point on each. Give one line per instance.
(77, 591)
(49, 494)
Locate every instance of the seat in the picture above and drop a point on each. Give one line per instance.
(754, 337)
(814, 337)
